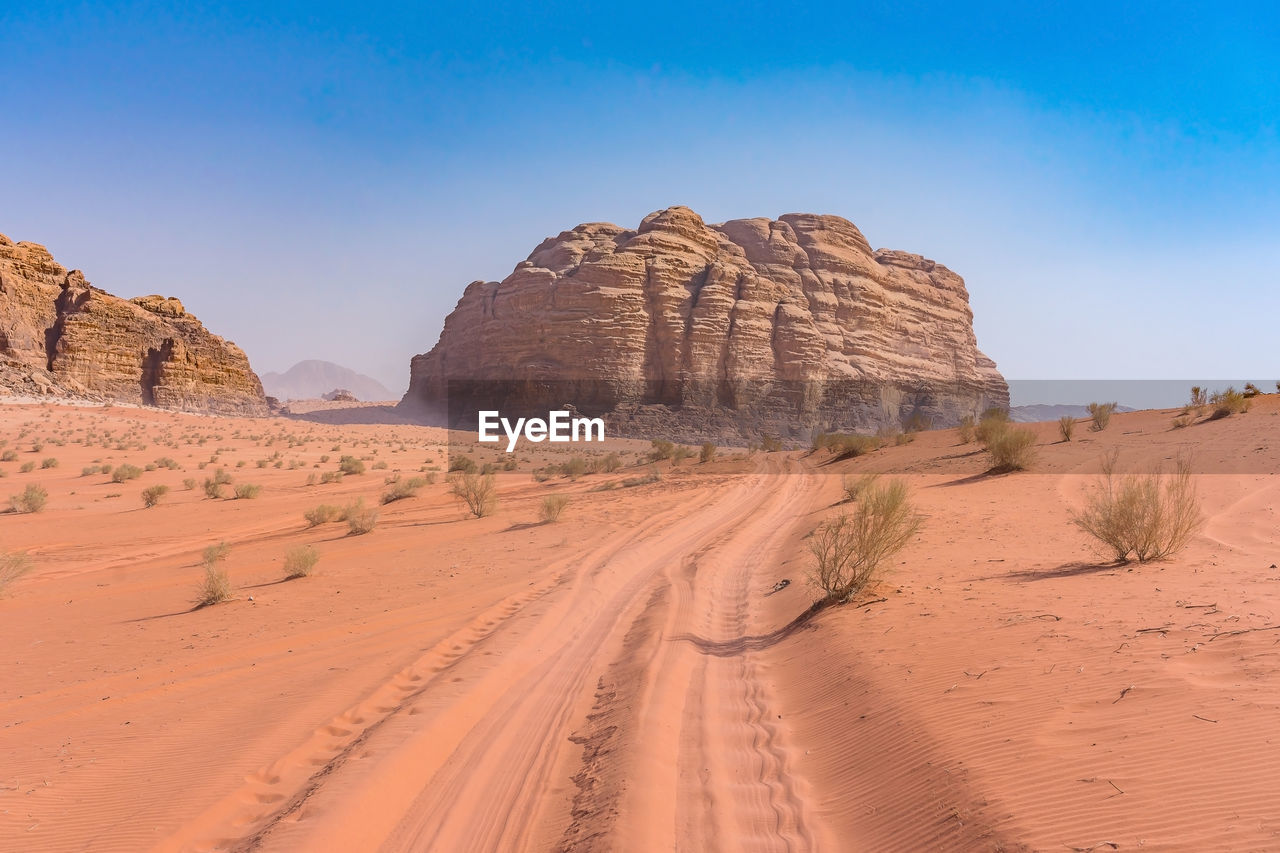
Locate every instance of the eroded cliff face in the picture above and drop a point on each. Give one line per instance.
(748, 328)
(60, 336)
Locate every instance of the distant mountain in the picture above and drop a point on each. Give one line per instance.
(308, 380)
(1044, 412)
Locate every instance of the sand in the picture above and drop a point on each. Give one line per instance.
(623, 679)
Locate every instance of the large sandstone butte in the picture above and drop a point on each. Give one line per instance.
(686, 330)
(60, 336)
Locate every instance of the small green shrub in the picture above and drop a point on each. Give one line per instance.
(849, 549)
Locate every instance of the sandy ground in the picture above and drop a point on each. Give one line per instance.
(623, 679)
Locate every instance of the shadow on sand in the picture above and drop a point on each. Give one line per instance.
(729, 648)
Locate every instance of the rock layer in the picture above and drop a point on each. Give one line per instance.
(748, 328)
(61, 336)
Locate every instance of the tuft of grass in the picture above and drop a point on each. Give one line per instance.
(322, 514)
(152, 495)
(478, 491)
(350, 465)
(966, 429)
(1143, 516)
(1010, 447)
(189, 483)
(856, 487)
(662, 449)
(401, 489)
(1066, 427)
(213, 485)
(248, 491)
(49, 463)
(214, 554)
(216, 587)
(12, 567)
(125, 472)
(1101, 414)
(707, 453)
(31, 499)
(849, 549)
(298, 562)
(360, 519)
(552, 506)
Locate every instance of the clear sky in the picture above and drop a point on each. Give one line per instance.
(321, 180)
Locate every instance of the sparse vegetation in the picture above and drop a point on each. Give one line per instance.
(856, 487)
(1183, 420)
(125, 472)
(465, 464)
(299, 562)
(966, 429)
(213, 485)
(152, 495)
(401, 489)
(552, 506)
(360, 519)
(49, 463)
(248, 491)
(1101, 414)
(849, 549)
(1011, 448)
(707, 453)
(478, 491)
(350, 465)
(662, 449)
(214, 554)
(770, 444)
(12, 567)
(31, 499)
(1229, 402)
(652, 476)
(216, 587)
(322, 514)
(1143, 516)
(1066, 427)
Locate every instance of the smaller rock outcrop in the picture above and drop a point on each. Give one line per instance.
(60, 336)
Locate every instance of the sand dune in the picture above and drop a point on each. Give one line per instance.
(623, 679)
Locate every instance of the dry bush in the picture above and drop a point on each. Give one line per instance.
(214, 554)
(298, 562)
(31, 499)
(1011, 448)
(1066, 427)
(707, 453)
(152, 495)
(1250, 390)
(652, 476)
(552, 506)
(850, 548)
(216, 587)
(213, 485)
(1148, 516)
(478, 491)
(401, 489)
(322, 514)
(1183, 420)
(12, 567)
(856, 487)
(465, 464)
(851, 446)
(770, 444)
(51, 462)
(993, 420)
(1101, 414)
(360, 519)
(662, 449)
(125, 472)
(1229, 402)
(1199, 397)
(248, 491)
(966, 429)
(350, 465)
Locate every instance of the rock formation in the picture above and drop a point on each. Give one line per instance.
(686, 330)
(60, 336)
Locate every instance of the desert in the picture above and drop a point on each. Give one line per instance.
(624, 677)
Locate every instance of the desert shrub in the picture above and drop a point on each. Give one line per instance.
(125, 472)
(49, 463)
(401, 489)
(213, 485)
(770, 444)
(856, 487)
(966, 429)
(189, 483)
(169, 463)
(322, 514)
(248, 491)
(330, 477)
(707, 453)
(1012, 448)
(850, 446)
(298, 562)
(350, 465)
(88, 470)
(850, 548)
(1251, 390)
(680, 454)
(1146, 516)
(262, 463)
(993, 420)
(12, 567)
(1227, 403)
(552, 506)
(380, 466)
(1199, 397)
(465, 464)
(31, 499)
(152, 495)
(214, 554)
(1066, 427)
(652, 476)
(610, 463)
(1101, 414)
(574, 468)
(1183, 421)
(215, 588)
(478, 491)
(662, 449)
(904, 438)
(9, 456)
(359, 518)
(26, 467)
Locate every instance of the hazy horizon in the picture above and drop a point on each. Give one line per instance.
(319, 181)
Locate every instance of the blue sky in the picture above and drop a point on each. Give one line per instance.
(321, 180)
